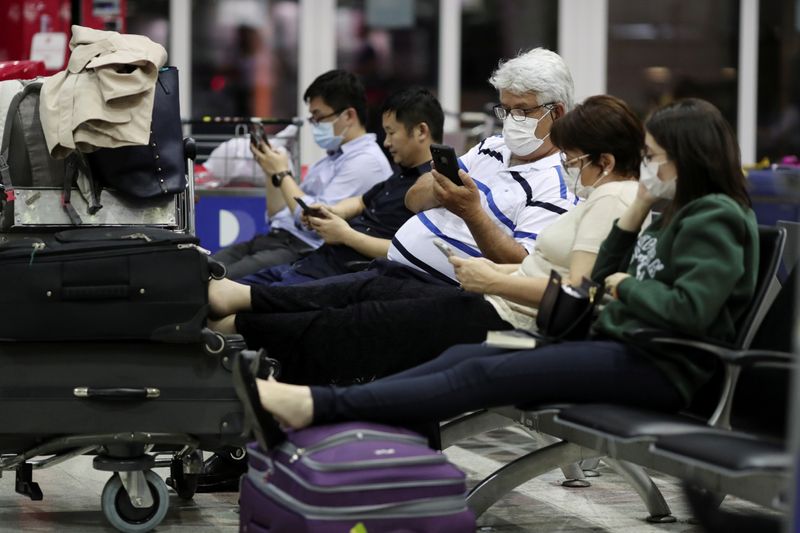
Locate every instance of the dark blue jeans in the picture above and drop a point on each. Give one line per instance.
(277, 275)
(469, 377)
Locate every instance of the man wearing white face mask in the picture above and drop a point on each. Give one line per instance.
(355, 162)
(514, 185)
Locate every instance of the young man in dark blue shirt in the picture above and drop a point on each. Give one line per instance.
(356, 229)
(360, 228)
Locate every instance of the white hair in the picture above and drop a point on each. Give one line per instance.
(539, 71)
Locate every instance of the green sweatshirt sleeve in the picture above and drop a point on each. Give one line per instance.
(614, 253)
(707, 263)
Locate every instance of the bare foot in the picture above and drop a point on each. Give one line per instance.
(226, 297)
(291, 405)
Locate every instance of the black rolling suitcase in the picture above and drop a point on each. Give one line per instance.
(104, 284)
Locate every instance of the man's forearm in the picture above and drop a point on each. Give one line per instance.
(370, 246)
(291, 190)
(349, 207)
(420, 196)
(275, 201)
(493, 243)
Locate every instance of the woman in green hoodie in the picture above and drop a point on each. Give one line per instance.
(692, 272)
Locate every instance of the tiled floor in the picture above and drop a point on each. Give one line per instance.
(72, 499)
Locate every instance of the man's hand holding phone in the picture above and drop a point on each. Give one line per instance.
(270, 160)
(332, 228)
(310, 210)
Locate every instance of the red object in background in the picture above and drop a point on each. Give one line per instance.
(22, 19)
(20, 70)
(104, 14)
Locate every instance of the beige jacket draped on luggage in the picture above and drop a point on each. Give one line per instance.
(104, 99)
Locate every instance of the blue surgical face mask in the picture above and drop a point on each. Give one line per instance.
(325, 137)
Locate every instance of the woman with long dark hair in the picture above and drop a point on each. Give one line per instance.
(693, 271)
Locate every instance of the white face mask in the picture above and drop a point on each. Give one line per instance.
(648, 177)
(520, 136)
(577, 187)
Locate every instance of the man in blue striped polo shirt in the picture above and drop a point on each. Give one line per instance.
(513, 184)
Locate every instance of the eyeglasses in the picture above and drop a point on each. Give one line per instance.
(518, 114)
(648, 158)
(567, 163)
(316, 120)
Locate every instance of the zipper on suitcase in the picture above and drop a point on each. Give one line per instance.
(348, 436)
(196, 247)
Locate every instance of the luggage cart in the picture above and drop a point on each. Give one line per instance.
(238, 168)
(231, 195)
(133, 405)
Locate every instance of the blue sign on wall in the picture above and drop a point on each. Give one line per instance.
(225, 216)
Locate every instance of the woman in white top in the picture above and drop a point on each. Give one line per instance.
(601, 142)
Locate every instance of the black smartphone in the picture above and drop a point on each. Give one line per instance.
(308, 210)
(446, 162)
(258, 135)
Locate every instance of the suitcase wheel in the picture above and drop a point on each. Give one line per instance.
(128, 517)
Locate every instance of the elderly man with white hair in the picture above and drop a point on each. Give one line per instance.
(513, 184)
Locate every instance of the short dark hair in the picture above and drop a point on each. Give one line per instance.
(702, 146)
(602, 125)
(339, 89)
(414, 105)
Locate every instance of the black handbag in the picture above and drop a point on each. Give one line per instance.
(565, 312)
(158, 169)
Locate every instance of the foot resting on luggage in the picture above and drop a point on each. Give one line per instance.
(264, 426)
(226, 297)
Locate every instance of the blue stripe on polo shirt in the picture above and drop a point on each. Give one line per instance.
(493, 206)
(436, 231)
(420, 264)
(525, 235)
(462, 166)
(561, 182)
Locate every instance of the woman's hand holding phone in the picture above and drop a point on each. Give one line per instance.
(476, 274)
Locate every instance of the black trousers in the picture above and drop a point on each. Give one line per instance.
(360, 327)
(277, 247)
(470, 377)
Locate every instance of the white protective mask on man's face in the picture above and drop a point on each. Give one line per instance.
(648, 177)
(520, 135)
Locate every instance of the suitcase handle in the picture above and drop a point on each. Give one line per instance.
(98, 292)
(117, 393)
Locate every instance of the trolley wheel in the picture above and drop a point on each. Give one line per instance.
(120, 512)
(185, 484)
(213, 342)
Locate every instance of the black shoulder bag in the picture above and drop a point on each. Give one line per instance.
(565, 312)
(158, 169)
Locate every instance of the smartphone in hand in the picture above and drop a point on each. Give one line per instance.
(443, 247)
(308, 210)
(258, 135)
(445, 161)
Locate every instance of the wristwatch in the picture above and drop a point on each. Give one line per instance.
(278, 178)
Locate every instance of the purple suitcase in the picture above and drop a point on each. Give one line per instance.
(327, 479)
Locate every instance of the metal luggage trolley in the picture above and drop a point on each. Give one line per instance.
(234, 185)
(134, 405)
(212, 132)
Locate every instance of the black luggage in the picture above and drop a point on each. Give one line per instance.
(104, 284)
